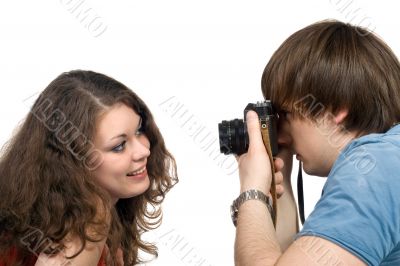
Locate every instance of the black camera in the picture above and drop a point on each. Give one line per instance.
(233, 136)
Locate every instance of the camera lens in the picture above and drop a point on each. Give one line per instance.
(233, 137)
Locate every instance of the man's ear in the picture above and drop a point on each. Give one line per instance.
(340, 116)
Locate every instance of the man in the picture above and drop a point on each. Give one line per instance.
(334, 85)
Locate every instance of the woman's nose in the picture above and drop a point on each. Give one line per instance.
(140, 148)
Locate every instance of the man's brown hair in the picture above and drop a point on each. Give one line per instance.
(331, 65)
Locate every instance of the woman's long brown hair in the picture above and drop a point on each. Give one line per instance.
(47, 188)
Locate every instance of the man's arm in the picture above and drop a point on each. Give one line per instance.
(256, 240)
(257, 244)
(287, 225)
(311, 250)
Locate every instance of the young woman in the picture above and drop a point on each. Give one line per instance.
(84, 176)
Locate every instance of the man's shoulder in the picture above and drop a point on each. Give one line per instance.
(373, 150)
(374, 158)
(391, 137)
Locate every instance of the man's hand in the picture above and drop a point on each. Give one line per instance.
(255, 166)
(279, 187)
(283, 167)
(287, 222)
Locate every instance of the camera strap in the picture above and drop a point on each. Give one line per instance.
(266, 140)
(300, 193)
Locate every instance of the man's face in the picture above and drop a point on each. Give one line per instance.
(313, 143)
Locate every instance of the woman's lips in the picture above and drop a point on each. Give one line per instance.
(140, 175)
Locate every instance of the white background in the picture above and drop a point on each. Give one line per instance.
(207, 56)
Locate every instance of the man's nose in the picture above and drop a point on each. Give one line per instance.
(284, 139)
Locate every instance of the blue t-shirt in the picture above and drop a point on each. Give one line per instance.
(360, 206)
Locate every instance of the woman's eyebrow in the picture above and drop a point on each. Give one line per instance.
(123, 135)
(119, 136)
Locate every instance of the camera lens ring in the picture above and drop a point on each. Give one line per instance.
(233, 137)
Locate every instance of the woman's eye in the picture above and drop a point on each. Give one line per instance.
(120, 147)
(140, 128)
(139, 132)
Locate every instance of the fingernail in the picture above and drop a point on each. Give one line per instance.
(251, 115)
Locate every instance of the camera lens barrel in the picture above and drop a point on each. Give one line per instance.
(233, 137)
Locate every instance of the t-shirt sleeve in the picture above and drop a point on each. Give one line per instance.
(359, 208)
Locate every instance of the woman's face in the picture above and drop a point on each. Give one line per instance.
(125, 149)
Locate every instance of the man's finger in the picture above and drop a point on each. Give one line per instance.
(279, 163)
(278, 178)
(253, 129)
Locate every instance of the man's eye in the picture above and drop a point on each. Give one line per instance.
(119, 147)
(284, 114)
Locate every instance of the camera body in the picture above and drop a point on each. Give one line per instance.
(233, 136)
